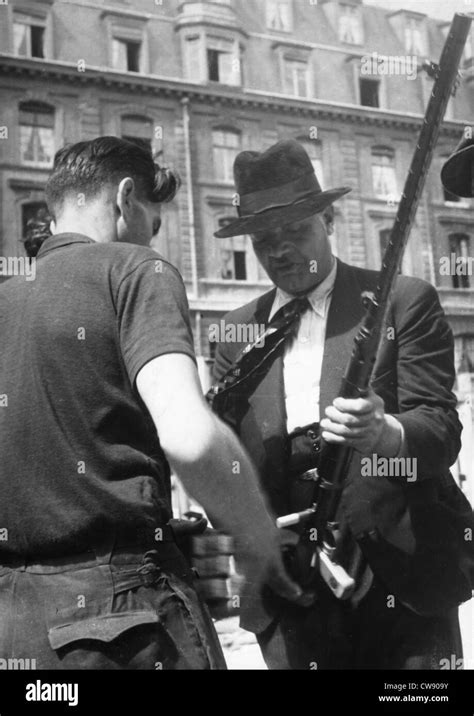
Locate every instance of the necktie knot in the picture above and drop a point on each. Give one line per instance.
(290, 312)
(253, 359)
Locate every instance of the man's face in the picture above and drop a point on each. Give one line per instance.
(141, 223)
(296, 256)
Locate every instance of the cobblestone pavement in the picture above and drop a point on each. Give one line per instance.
(241, 649)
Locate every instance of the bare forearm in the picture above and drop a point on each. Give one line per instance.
(224, 481)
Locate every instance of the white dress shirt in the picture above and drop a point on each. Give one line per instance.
(303, 357)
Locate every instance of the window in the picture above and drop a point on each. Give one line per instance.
(350, 25)
(414, 37)
(36, 134)
(296, 77)
(223, 61)
(226, 146)
(233, 255)
(233, 265)
(383, 173)
(126, 55)
(213, 59)
(28, 38)
(137, 129)
(315, 152)
(369, 92)
(279, 15)
(464, 353)
(459, 246)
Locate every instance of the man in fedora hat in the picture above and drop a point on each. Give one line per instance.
(457, 173)
(401, 532)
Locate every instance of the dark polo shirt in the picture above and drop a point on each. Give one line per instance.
(79, 455)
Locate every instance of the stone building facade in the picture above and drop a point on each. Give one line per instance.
(201, 81)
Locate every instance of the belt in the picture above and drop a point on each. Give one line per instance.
(164, 540)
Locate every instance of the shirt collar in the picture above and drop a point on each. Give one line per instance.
(317, 298)
(58, 240)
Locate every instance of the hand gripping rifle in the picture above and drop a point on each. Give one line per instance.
(320, 519)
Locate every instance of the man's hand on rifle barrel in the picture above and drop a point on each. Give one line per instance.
(362, 424)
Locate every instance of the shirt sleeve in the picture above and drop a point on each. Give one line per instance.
(153, 315)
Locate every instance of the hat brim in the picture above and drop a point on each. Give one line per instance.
(457, 172)
(282, 216)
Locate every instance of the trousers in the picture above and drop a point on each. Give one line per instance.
(126, 609)
(377, 633)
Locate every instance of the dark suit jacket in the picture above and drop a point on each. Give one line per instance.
(412, 533)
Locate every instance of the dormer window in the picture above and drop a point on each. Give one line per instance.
(210, 58)
(126, 55)
(127, 39)
(31, 32)
(28, 38)
(414, 37)
(350, 25)
(410, 27)
(279, 15)
(223, 61)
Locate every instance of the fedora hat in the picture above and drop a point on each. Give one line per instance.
(457, 172)
(275, 188)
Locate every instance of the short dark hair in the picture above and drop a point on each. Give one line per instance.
(86, 167)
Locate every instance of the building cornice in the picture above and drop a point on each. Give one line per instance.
(410, 13)
(172, 87)
(128, 15)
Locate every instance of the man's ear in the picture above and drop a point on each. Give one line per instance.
(328, 216)
(126, 194)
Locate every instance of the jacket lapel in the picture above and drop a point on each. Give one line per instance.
(267, 402)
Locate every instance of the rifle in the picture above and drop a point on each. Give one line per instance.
(320, 519)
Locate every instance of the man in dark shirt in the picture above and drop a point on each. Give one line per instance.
(99, 395)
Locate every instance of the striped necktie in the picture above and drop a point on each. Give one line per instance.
(255, 358)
